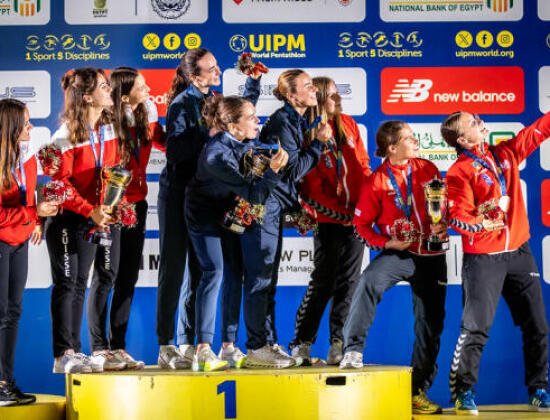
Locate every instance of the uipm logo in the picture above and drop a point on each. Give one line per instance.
(416, 91)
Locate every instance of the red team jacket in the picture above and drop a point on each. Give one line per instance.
(318, 189)
(137, 190)
(78, 166)
(17, 221)
(377, 206)
(470, 184)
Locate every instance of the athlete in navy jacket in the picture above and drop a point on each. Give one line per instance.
(262, 243)
(186, 133)
(212, 192)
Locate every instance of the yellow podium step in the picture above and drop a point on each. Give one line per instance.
(374, 392)
(46, 407)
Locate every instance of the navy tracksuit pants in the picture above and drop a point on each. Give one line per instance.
(175, 247)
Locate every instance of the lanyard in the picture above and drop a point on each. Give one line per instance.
(499, 174)
(305, 126)
(98, 160)
(338, 155)
(399, 201)
(21, 182)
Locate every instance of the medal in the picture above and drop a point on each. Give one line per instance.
(504, 203)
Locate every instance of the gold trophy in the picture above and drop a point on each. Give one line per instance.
(114, 181)
(435, 193)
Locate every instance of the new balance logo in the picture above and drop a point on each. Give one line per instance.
(416, 91)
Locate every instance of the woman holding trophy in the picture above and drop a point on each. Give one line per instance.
(186, 133)
(393, 200)
(329, 193)
(487, 208)
(262, 243)
(89, 146)
(19, 223)
(218, 182)
(135, 119)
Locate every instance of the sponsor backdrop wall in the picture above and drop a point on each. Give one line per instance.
(407, 59)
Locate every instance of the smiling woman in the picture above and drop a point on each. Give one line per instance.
(88, 143)
(219, 183)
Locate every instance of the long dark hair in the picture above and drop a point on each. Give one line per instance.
(323, 84)
(187, 66)
(122, 81)
(12, 122)
(77, 83)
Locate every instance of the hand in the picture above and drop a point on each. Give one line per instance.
(324, 132)
(47, 208)
(397, 245)
(439, 229)
(100, 217)
(36, 235)
(279, 160)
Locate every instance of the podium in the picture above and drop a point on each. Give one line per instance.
(374, 392)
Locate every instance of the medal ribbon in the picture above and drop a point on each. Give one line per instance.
(98, 160)
(399, 201)
(21, 182)
(497, 172)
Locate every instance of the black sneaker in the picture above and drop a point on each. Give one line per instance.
(6, 396)
(20, 397)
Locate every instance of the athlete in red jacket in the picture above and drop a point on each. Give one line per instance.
(18, 222)
(88, 143)
(391, 215)
(486, 206)
(329, 193)
(137, 127)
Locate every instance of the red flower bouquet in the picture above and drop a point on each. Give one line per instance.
(303, 221)
(404, 230)
(246, 66)
(50, 159)
(57, 192)
(242, 216)
(125, 215)
(493, 215)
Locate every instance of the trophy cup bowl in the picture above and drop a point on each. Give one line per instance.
(256, 160)
(435, 193)
(114, 181)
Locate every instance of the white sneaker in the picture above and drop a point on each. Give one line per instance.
(131, 363)
(233, 355)
(71, 363)
(171, 358)
(352, 360)
(268, 357)
(277, 348)
(206, 361)
(103, 360)
(302, 354)
(335, 353)
(188, 352)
